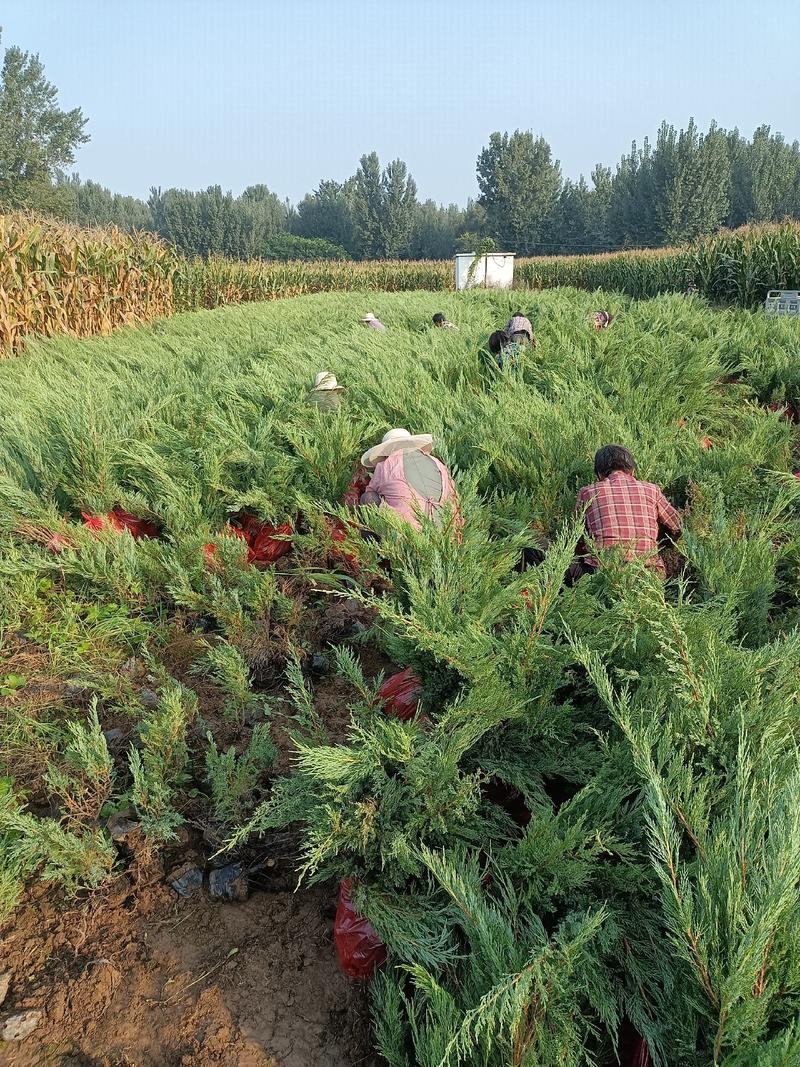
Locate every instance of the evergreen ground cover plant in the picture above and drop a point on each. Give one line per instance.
(593, 821)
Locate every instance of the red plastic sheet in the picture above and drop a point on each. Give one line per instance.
(119, 520)
(400, 694)
(358, 946)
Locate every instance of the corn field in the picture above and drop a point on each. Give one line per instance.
(55, 278)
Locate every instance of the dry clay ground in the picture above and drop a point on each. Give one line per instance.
(136, 976)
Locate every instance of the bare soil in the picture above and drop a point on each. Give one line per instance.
(136, 976)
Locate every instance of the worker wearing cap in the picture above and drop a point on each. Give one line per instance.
(327, 393)
(407, 478)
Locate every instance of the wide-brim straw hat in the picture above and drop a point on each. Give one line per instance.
(369, 317)
(325, 382)
(397, 440)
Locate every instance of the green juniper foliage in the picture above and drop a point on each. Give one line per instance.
(593, 815)
(160, 766)
(232, 778)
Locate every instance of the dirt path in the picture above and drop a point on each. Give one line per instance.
(136, 977)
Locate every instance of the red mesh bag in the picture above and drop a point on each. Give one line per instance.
(262, 544)
(524, 600)
(119, 520)
(785, 409)
(400, 694)
(509, 798)
(640, 1055)
(265, 547)
(360, 481)
(358, 946)
(339, 533)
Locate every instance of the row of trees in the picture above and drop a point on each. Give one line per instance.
(688, 183)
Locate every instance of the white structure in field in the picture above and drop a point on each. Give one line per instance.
(495, 270)
(782, 302)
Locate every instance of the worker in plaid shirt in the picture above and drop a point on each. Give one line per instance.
(620, 510)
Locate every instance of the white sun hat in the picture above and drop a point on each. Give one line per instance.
(326, 382)
(369, 317)
(395, 441)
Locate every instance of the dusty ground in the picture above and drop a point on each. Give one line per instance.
(138, 976)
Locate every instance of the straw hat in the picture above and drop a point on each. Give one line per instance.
(369, 317)
(326, 382)
(396, 441)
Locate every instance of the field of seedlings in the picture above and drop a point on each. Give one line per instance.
(56, 278)
(569, 835)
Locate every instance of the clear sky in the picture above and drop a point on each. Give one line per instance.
(197, 92)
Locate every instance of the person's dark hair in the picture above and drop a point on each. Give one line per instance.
(613, 458)
(498, 341)
(438, 318)
(519, 314)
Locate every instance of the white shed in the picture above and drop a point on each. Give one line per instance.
(494, 270)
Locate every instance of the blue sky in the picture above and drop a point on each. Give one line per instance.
(196, 92)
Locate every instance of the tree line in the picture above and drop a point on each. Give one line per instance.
(685, 184)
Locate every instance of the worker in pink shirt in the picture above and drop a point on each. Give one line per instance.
(407, 478)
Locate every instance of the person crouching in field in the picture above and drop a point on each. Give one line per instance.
(407, 478)
(520, 331)
(442, 323)
(327, 393)
(371, 322)
(600, 320)
(622, 511)
(506, 353)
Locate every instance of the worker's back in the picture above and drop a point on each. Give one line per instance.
(624, 511)
(413, 483)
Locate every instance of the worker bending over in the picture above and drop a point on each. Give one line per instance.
(622, 511)
(327, 393)
(520, 331)
(371, 322)
(407, 478)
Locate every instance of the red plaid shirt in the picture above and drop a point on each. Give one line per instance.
(624, 511)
